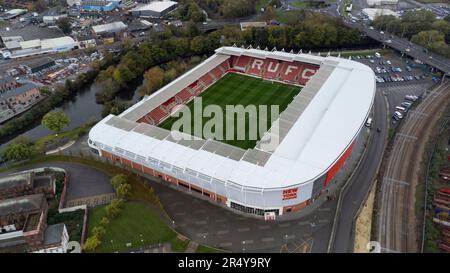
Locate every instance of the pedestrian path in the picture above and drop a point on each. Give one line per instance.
(192, 247)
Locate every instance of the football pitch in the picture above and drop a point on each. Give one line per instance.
(236, 89)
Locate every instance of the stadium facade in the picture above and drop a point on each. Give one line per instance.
(317, 131)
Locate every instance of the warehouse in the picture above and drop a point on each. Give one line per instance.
(40, 64)
(111, 28)
(19, 48)
(373, 3)
(372, 13)
(99, 5)
(156, 9)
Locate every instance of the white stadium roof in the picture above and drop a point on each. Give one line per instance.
(338, 100)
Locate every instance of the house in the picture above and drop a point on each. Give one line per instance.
(7, 83)
(27, 183)
(22, 97)
(56, 239)
(23, 223)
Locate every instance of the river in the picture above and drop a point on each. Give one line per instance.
(81, 109)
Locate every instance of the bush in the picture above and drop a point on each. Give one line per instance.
(92, 243)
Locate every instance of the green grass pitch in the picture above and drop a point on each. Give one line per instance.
(237, 89)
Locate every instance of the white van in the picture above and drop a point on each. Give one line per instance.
(369, 122)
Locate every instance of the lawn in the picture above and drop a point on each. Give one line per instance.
(237, 89)
(207, 249)
(135, 222)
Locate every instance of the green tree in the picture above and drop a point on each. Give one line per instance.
(18, 151)
(118, 180)
(123, 191)
(64, 24)
(198, 45)
(55, 121)
(98, 231)
(91, 243)
(153, 79)
(114, 209)
(104, 222)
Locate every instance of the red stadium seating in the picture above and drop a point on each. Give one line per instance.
(273, 69)
(290, 72)
(157, 115)
(256, 67)
(306, 73)
(242, 62)
(184, 95)
(206, 79)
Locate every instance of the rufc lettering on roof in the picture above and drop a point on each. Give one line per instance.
(290, 194)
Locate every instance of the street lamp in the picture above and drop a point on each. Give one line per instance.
(286, 237)
(112, 243)
(243, 246)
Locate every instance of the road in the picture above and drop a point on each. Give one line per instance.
(404, 46)
(361, 181)
(396, 219)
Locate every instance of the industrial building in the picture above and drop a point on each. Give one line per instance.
(373, 3)
(41, 64)
(246, 25)
(13, 13)
(316, 133)
(98, 5)
(17, 47)
(155, 9)
(108, 29)
(372, 13)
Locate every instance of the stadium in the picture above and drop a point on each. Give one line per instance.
(323, 103)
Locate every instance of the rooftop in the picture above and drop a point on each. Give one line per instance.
(40, 62)
(15, 180)
(111, 27)
(32, 32)
(19, 90)
(53, 234)
(21, 204)
(337, 99)
(157, 6)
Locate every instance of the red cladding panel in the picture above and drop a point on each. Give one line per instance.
(337, 166)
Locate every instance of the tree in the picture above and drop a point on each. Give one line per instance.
(92, 243)
(118, 180)
(18, 151)
(55, 121)
(123, 191)
(104, 222)
(198, 45)
(114, 209)
(98, 231)
(64, 24)
(40, 5)
(153, 79)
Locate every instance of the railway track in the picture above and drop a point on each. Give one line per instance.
(396, 200)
